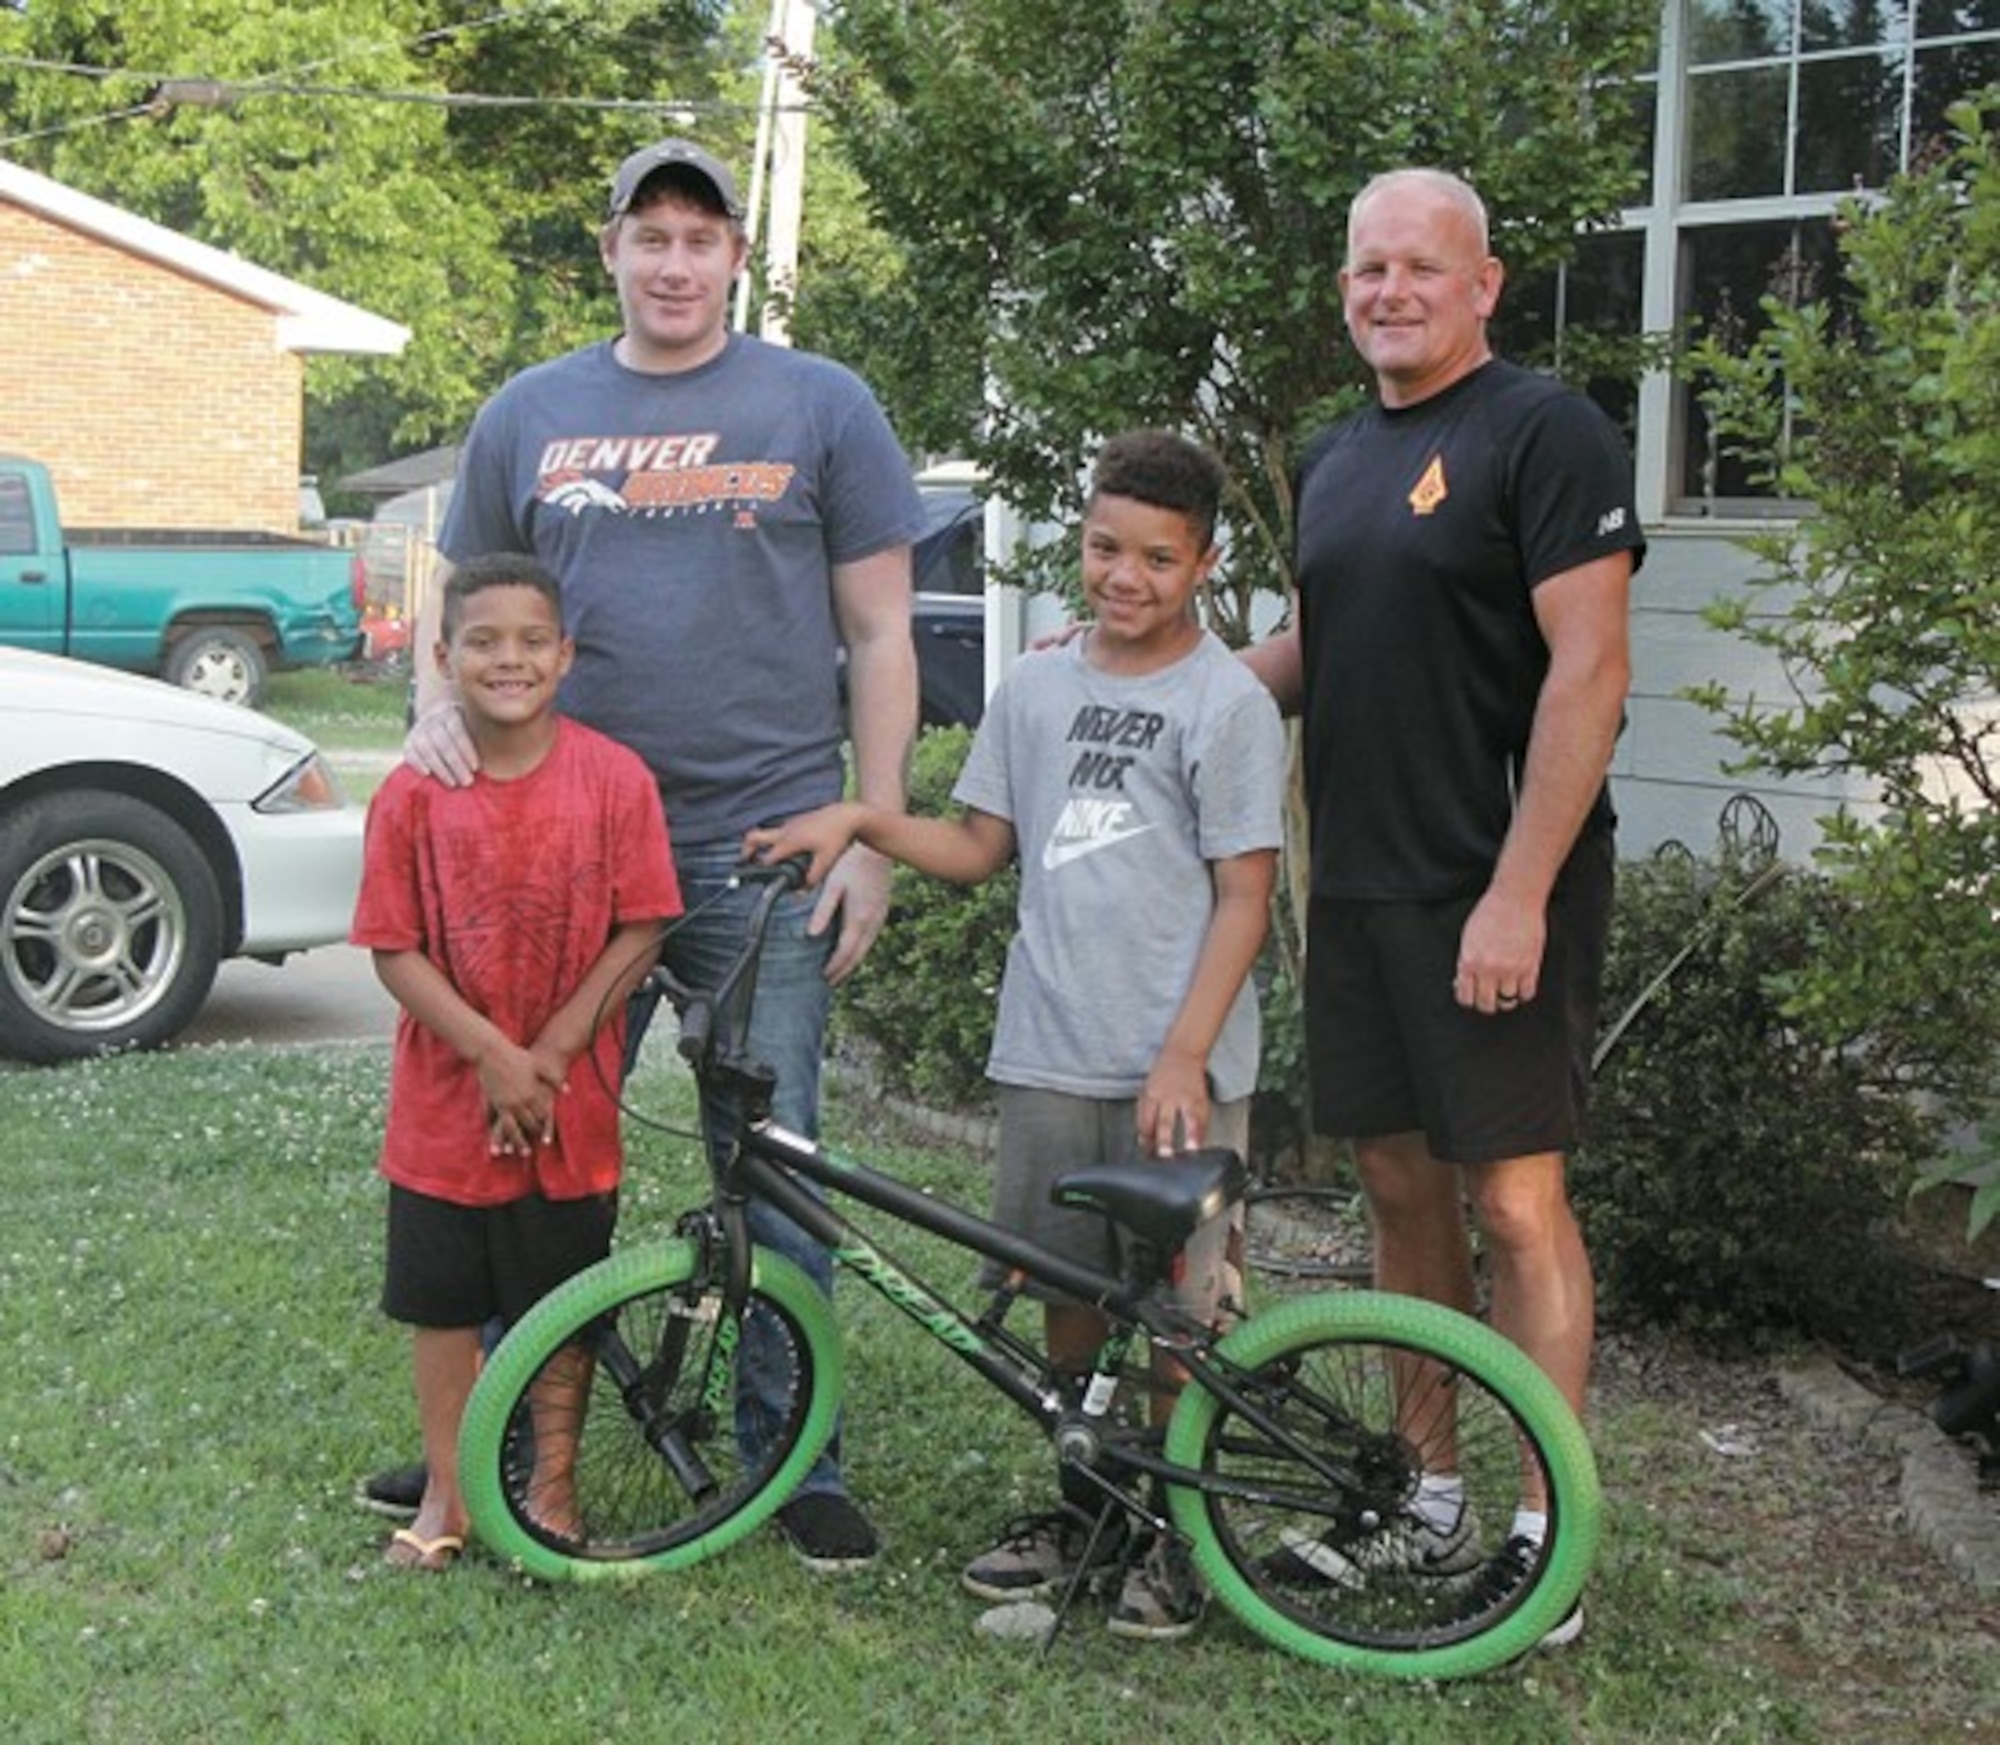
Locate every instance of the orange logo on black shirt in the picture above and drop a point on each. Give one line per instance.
(1431, 490)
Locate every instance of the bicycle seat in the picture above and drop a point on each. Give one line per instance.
(1162, 1199)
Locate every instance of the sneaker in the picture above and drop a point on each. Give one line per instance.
(1408, 1546)
(1039, 1555)
(1162, 1599)
(395, 1493)
(1566, 1630)
(1504, 1573)
(828, 1534)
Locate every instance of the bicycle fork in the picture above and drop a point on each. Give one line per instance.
(645, 1386)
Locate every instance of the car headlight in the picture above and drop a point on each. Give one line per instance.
(309, 786)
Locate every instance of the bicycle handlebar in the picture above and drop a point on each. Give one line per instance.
(697, 1007)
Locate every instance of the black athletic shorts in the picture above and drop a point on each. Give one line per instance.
(462, 1266)
(1390, 1050)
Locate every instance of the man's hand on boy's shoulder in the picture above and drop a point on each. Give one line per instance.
(1066, 632)
(439, 746)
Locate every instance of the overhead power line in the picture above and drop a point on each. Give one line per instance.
(167, 91)
(181, 90)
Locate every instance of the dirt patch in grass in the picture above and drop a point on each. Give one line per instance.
(1834, 1601)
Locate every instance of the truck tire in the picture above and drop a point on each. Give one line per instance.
(111, 926)
(219, 661)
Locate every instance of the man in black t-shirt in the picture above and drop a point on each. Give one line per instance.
(1465, 549)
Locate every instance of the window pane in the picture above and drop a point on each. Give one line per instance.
(1850, 23)
(1738, 30)
(17, 517)
(1725, 273)
(1850, 123)
(1946, 76)
(1644, 97)
(1606, 291)
(1523, 328)
(1736, 134)
(1603, 305)
(1954, 17)
(1583, 320)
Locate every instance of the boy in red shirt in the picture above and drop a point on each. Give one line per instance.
(510, 919)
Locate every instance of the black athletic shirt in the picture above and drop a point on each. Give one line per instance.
(1422, 532)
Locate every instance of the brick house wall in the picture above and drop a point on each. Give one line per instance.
(155, 400)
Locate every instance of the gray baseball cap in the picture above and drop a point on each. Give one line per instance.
(668, 154)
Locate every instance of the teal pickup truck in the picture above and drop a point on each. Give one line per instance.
(214, 612)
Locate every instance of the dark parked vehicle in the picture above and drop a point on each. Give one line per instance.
(949, 614)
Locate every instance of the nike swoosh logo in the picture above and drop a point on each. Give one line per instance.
(1060, 854)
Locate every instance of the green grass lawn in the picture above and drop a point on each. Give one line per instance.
(199, 1375)
(341, 708)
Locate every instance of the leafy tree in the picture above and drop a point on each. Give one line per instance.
(364, 147)
(1883, 606)
(1134, 211)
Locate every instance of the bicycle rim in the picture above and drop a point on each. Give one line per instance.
(1376, 1387)
(1304, 1238)
(585, 1452)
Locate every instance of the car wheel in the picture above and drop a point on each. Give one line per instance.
(219, 662)
(110, 927)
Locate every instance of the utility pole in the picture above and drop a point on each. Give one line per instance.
(780, 164)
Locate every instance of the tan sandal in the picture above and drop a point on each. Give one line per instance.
(409, 1549)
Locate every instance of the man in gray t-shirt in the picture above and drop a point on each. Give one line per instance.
(726, 518)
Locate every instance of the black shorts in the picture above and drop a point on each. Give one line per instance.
(462, 1266)
(1390, 1050)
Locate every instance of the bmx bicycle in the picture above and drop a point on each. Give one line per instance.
(601, 1442)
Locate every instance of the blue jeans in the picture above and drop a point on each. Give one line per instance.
(787, 1034)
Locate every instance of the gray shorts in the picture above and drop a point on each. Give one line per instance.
(1044, 1134)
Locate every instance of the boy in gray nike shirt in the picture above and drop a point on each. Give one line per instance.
(1138, 771)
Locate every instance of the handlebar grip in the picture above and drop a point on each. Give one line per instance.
(697, 1020)
(789, 872)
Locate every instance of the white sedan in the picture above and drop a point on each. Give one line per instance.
(145, 835)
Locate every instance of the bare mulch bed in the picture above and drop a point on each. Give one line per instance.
(1836, 1602)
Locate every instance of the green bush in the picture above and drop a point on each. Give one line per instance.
(923, 1002)
(1741, 1172)
(1281, 1115)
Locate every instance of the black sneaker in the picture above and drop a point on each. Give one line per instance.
(395, 1493)
(828, 1534)
(1502, 1576)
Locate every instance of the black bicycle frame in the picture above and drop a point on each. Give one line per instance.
(768, 1156)
(766, 1161)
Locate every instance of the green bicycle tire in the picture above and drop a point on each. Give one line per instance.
(649, 1524)
(1293, 1358)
